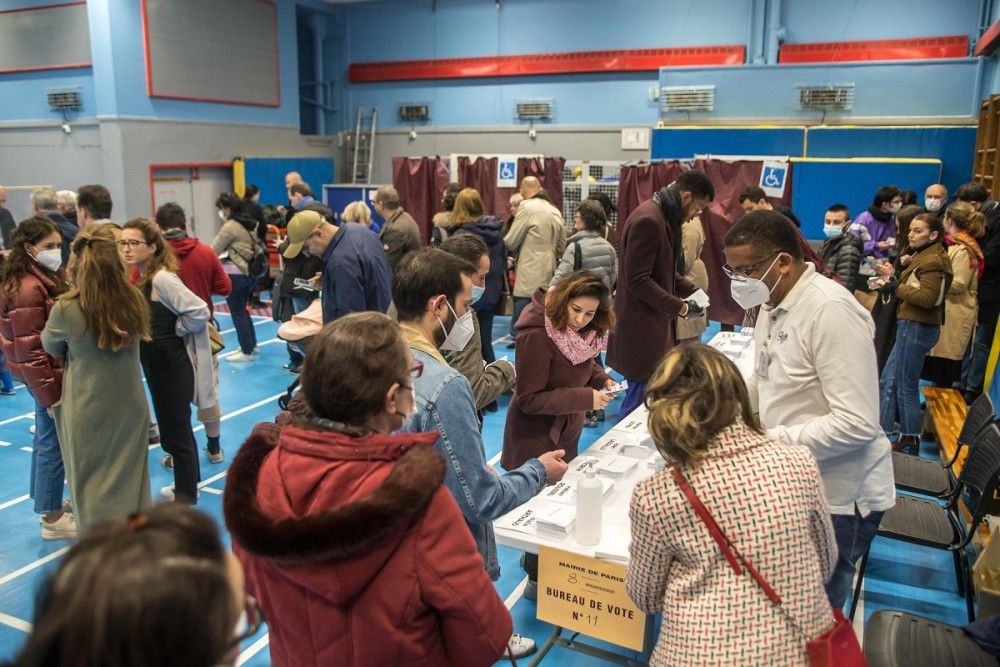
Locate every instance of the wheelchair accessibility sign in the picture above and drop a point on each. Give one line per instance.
(773, 177)
(507, 171)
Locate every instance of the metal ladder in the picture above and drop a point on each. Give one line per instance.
(364, 145)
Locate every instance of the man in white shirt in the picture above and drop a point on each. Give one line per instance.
(815, 381)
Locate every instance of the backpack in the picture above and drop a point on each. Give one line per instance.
(257, 265)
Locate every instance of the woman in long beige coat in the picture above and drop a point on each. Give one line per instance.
(692, 240)
(963, 225)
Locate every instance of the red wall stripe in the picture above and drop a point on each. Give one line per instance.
(533, 64)
(956, 46)
(988, 43)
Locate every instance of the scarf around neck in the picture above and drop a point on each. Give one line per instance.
(576, 348)
(977, 261)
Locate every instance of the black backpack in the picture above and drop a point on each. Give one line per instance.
(257, 265)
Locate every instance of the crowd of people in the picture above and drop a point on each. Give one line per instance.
(362, 518)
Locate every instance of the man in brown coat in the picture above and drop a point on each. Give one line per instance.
(651, 286)
(400, 234)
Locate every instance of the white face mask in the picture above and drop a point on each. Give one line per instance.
(460, 334)
(51, 259)
(751, 292)
(222, 216)
(477, 293)
(932, 205)
(895, 208)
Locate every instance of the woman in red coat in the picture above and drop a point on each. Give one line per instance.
(30, 281)
(560, 334)
(355, 549)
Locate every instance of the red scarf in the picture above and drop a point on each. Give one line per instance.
(976, 260)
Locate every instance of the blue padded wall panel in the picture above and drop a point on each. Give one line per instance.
(685, 142)
(268, 173)
(953, 145)
(816, 184)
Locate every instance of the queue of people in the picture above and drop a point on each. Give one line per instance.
(362, 519)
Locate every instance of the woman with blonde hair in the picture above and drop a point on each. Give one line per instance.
(468, 217)
(963, 225)
(357, 211)
(177, 360)
(764, 495)
(102, 418)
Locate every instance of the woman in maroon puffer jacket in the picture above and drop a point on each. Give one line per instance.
(354, 547)
(30, 280)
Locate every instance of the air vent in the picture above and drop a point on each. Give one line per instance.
(413, 112)
(687, 98)
(533, 109)
(827, 98)
(64, 100)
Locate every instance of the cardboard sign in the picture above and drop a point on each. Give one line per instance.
(588, 596)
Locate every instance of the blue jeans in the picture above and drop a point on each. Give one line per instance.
(978, 354)
(237, 300)
(854, 534)
(632, 398)
(299, 303)
(47, 472)
(520, 303)
(899, 387)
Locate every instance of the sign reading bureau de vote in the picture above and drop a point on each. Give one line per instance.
(587, 595)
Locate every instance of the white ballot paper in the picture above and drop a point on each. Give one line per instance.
(699, 297)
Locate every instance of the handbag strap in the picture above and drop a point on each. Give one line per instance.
(730, 550)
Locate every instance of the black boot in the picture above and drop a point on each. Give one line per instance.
(908, 442)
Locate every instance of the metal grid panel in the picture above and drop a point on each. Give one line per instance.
(593, 176)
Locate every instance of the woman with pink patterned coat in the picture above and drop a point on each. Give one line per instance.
(765, 496)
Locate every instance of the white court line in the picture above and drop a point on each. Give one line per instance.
(859, 613)
(269, 341)
(516, 594)
(31, 566)
(15, 623)
(26, 415)
(208, 489)
(256, 324)
(27, 449)
(503, 339)
(14, 501)
(253, 406)
(493, 461)
(4, 443)
(252, 650)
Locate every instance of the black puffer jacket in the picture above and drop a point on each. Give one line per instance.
(843, 256)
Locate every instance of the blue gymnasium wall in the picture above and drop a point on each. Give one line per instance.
(116, 84)
(268, 173)
(410, 30)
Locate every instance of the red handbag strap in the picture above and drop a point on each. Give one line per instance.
(729, 550)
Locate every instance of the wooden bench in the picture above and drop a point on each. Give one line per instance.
(946, 411)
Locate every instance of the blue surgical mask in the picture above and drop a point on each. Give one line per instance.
(833, 231)
(477, 293)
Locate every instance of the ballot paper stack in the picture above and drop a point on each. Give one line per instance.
(616, 466)
(564, 491)
(555, 520)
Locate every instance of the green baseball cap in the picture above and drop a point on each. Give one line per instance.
(299, 228)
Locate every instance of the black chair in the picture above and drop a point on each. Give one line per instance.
(927, 477)
(898, 639)
(927, 523)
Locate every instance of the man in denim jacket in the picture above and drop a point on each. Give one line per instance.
(431, 293)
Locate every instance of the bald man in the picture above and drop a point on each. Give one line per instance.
(291, 178)
(7, 223)
(936, 199)
(537, 237)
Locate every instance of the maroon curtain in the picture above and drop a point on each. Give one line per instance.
(549, 171)
(420, 181)
(481, 174)
(639, 181)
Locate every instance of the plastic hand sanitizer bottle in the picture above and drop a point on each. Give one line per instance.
(589, 503)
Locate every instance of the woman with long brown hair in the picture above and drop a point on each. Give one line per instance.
(177, 360)
(31, 280)
(102, 419)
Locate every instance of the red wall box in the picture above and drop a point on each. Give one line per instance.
(534, 64)
(987, 44)
(922, 48)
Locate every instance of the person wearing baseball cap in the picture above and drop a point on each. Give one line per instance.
(355, 274)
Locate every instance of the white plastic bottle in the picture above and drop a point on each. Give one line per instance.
(589, 504)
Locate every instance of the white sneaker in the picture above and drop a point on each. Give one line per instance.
(520, 647)
(31, 429)
(239, 357)
(217, 457)
(62, 529)
(168, 492)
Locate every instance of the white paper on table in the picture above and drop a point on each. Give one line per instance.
(618, 466)
(521, 519)
(556, 517)
(607, 445)
(700, 298)
(579, 465)
(564, 491)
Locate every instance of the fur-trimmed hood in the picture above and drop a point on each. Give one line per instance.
(303, 498)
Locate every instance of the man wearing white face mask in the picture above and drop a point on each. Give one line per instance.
(936, 200)
(815, 381)
(433, 302)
